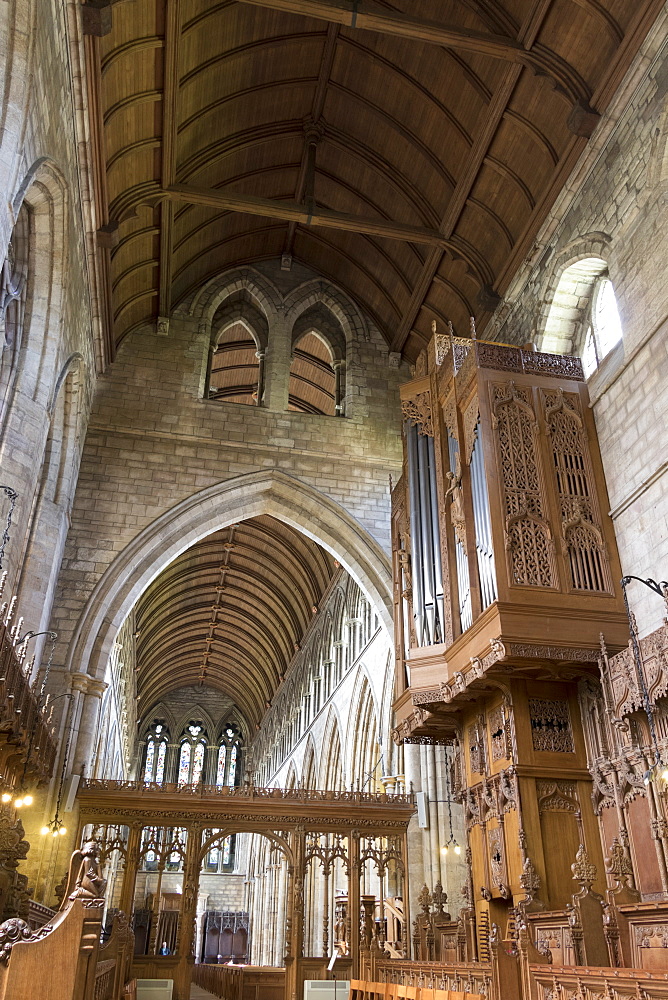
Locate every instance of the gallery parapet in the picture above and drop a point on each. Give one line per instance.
(251, 792)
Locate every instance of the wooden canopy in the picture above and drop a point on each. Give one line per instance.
(407, 151)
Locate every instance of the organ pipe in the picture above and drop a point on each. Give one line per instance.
(427, 573)
(483, 526)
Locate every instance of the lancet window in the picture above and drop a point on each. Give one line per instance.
(156, 754)
(191, 756)
(228, 764)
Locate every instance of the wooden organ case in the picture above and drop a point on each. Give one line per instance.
(505, 574)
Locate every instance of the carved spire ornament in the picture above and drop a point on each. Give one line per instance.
(583, 870)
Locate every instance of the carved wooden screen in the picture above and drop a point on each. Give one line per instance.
(583, 540)
(528, 538)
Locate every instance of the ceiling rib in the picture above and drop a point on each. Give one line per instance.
(317, 107)
(168, 170)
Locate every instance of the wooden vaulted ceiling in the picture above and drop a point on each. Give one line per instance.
(230, 613)
(406, 150)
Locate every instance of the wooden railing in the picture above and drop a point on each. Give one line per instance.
(364, 990)
(22, 723)
(246, 791)
(248, 982)
(552, 982)
(465, 977)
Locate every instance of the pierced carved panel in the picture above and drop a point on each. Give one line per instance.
(417, 411)
(586, 554)
(551, 725)
(499, 734)
(528, 538)
(476, 744)
(497, 857)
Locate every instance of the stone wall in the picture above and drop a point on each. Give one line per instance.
(614, 206)
(154, 442)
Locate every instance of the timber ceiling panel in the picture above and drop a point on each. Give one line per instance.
(457, 120)
(230, 611)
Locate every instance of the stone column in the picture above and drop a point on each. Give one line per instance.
(91, 694)
(277, 365)
(260, 377)
(339, 370)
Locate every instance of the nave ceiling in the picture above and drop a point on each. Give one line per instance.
(230, 613)
(432, 145)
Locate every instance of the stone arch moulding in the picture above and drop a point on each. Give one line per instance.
(239, 499)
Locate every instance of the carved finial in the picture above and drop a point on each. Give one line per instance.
(601, 640)
(424, 899)
(439, 898)
(618, 864)
(583, 870)
(529, 879)
(472, 326)
(433, 327)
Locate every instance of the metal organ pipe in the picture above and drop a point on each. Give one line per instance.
(416, 531)
(427, 571)
(483, 526)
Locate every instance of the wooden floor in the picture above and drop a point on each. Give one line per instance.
(197, 993)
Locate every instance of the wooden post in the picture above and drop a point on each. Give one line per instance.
(191, 870)
(130, 869)
(354, 901)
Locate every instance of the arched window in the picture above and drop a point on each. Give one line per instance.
(235, 367)
(604, 330)
(583, 318)
(191, 756)
(13, 280)
(313, 379)
(228, 768)
(156, 752)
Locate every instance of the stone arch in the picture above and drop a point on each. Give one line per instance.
(265, 492)
(364, 720)
(320, 293)
(331, 757)
(320, 319)
(207, 300)
(561, 311)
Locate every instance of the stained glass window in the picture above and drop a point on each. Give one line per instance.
(233, 766)
(227, 843)
(214, 855)
(198, 762)
(160, 763)
(184, 763)
(220, 772)
(150, 757)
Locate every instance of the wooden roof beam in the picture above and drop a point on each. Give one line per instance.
(293, 212)
(353, 14)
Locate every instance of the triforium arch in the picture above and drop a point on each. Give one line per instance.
(270, 492)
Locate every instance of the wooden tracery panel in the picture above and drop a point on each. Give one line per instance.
(528, 537)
